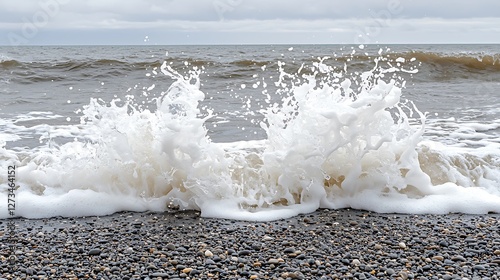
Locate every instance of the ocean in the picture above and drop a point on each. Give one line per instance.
(249, 132)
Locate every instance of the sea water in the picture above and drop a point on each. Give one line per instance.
(250, 132)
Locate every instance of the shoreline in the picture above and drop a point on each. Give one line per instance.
(326, 244)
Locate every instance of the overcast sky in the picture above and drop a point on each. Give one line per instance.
(173, 22)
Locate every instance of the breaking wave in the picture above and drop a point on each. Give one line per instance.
(335, 139)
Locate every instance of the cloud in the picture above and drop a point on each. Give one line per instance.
(340, 21)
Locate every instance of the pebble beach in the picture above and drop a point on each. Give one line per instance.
(327, 244)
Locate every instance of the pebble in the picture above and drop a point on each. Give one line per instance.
(187, 270)
(200, 248)
(438, 258)
(160, 274)
(244, 253)
(289, 250)
(208, 254)
(129, 250)
(273, 261)
(458, 259)
(390, 272)
(94, 252)
(443, 243)
(293, 275)
(479, 267)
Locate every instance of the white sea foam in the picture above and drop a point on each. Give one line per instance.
(335, 141)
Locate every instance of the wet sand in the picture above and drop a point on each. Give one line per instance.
(327, 244)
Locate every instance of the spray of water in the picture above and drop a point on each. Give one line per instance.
(334, 139)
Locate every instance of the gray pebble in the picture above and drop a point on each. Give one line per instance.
(94, 252)
(479, 267)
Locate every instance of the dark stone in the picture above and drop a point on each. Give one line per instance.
(94, 252)
(244, 253)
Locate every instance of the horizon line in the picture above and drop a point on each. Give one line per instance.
(248, 44)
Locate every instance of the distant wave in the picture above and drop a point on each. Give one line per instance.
(77, 64)
(490, 62)
(433, 62)
(9, 64)
(248, 62)
(471, 61)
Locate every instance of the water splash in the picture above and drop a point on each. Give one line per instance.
(334, 139)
